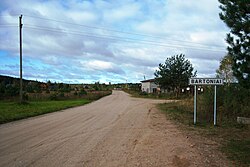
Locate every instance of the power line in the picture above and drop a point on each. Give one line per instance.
(92, 27)
(174, 43)
(48, 29)
(118, 31)
(123, 32)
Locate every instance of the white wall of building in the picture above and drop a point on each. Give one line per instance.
(149, 87)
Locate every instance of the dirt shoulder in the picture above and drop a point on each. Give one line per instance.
(188, 148)
(166, 144)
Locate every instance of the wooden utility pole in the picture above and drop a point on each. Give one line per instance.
(21, 63)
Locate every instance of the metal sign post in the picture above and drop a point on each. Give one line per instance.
(205, 81)
(195, 94)
(214, 105)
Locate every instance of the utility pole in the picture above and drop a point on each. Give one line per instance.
(21, 63)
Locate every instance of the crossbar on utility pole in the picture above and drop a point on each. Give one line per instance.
(21, 63)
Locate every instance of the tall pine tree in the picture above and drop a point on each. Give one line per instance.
(236, 15)
(174, 73)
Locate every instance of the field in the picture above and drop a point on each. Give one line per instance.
(11, 111)
(37, 104)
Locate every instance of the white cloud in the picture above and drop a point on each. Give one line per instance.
(91, 49)
(82, 17)
(121, 12)
(99, 65)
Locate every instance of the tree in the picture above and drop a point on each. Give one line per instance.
(11, 90)
(174, 74)
(225, 69)
(236, 15)
(97, 86)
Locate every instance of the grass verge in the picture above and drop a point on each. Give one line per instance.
(238, 150)
(234, 138)
(139, 94)
(11, 111)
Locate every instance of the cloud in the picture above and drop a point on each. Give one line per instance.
(103, 66)
(121, 12)
(67, 39)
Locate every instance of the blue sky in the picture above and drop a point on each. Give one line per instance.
(83, 41)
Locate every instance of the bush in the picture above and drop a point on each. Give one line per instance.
(236, 101)
(143, 93)
(82, 92)
(232, 101)
(205, 104)
(53, 96)
(61, 95)
(11, 90)
(25, 96)
(75, 93)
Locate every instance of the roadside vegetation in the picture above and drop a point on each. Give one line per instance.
(169, 95)
(41, 98)
(11, 111)
(233, 101)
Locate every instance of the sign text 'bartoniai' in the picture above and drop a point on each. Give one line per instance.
(205, 81)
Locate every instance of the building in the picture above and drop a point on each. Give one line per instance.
(149, 86)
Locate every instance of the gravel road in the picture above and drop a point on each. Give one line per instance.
(115, 131)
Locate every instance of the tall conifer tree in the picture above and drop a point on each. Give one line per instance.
(236, 15)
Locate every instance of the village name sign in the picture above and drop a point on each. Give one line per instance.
(205, 81)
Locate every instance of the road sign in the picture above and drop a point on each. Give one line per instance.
(205, 81)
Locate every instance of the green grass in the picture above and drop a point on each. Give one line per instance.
(176, 111)
(10, 111)
(225, 133)
(238, 150)
(139, 94)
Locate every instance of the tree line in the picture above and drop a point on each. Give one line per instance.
(10, 87)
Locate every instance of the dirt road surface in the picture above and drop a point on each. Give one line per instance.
(115, 131)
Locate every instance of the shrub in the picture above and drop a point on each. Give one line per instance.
(82, 92)
(143, 93)
(75, 93)
(53, 96)
(61, 95)
(11, 90)
(232, 101)
(25, 96)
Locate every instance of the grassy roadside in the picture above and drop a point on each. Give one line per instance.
(139, 94)
(234, 138)
(11, 111)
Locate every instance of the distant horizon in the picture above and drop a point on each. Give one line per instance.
(66, 82)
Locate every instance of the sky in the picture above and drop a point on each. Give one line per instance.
(88, 41)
